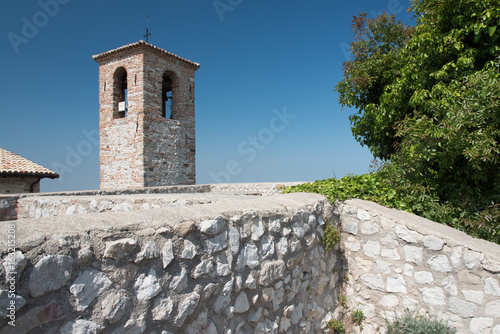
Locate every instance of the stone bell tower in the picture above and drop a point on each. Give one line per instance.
(146, 117)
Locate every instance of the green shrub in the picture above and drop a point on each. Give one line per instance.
(336, 326)
(331, 237)
(423, 325)
(358, 317)
(389, 187)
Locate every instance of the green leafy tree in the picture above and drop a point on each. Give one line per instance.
(374, 65)
(428, 97)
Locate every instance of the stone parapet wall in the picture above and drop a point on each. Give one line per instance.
(93, 201)
(397, 262)
(245, 265)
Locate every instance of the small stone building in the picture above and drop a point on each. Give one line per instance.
(146, 117)
(19, 175)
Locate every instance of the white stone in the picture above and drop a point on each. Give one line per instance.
(365, 265)
(481, 325)
(248, 257)
(433, 296)
(474, 296)
(371, 249)
(224, 298)
(396, 284)
(449, 284)
(384, 267)
(266, 249)
(234, 240)
(81, 326)
(167, 253)
(409, 270)
(407, 235)
(456, 257)
(250, 282)
(113, 307)
(491, 266)
(374, 282)
(350, 225)
(270, 271)
(424, 277)
(387, 224)
(410, 303)
(118, 249)
(275, 226)
(369, 228)
(238, 283)
(87, 286)
(413, 254)
(282, 246)
(391, 254)
(472, 259)
(241, 304)
(136, 325)
(186, 307)
(353, 244)
(205, 267)
(433, 243)
(212, 226)
(462, 308)
(189, 251)
(50, 273)
(151, 251)
(389, 301)
(491, 287)
(439, 263)
(496, 330)
(147, 287)
(179, 282)
(363, 215)
(493, 309)
(258, 230)
(223, 264)
(217, 243)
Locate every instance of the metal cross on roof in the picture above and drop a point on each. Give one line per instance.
(147, 31)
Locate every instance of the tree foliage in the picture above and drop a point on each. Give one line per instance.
(428, 97)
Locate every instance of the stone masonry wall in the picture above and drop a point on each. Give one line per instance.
(248, 265)
(18, 184)
(397, 262)
(226, 262)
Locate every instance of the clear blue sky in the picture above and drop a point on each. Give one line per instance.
(257, 58)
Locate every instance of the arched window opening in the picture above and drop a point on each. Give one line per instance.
(167, 96)
(120, 93)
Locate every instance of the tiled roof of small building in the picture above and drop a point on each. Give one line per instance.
(13, 164)
(141, 42)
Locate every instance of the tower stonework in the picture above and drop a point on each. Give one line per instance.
(146, 117)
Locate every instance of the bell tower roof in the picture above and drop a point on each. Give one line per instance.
(141, 45)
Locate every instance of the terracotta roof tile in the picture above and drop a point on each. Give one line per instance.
(13, 164)
(141, 42)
